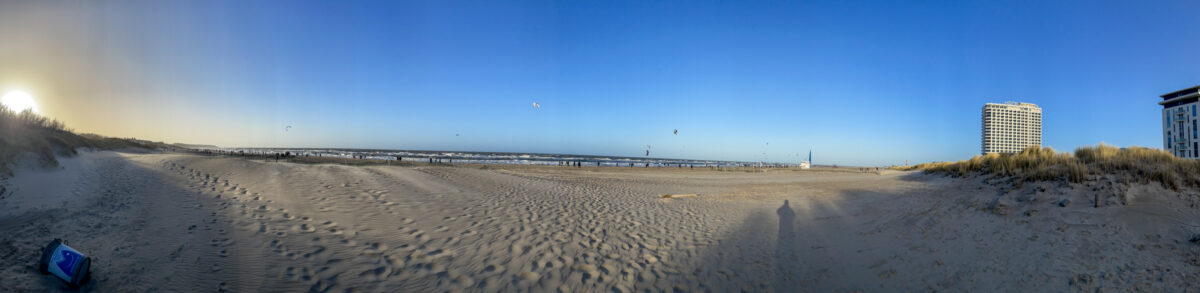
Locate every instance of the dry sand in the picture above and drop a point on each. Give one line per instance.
(179, 222)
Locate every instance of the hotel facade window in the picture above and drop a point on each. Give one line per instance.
(1010, 127)
(1180, 119)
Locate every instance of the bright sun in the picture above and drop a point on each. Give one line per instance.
(18, 101)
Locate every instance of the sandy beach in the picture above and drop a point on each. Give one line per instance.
(183, 222)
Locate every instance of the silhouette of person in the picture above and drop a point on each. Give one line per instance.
(785, 254)
(786, 219)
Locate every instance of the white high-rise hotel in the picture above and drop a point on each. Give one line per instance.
(1179, 123)
(1011, 127)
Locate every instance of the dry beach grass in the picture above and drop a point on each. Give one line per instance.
(1133, 164)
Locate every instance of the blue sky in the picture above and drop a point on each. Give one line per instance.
(858, 82)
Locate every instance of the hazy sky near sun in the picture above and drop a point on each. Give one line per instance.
(858, 82)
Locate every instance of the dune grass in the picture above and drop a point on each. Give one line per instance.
(29, 133)
(1133, 164)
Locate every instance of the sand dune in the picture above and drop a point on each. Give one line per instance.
(182, 222)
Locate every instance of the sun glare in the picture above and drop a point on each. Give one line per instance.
(18, 101)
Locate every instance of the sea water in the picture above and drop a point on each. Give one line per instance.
(497, 157)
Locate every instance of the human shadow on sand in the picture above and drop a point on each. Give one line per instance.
(785, 256)
(807, 245)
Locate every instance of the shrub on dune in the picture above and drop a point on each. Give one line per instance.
(28, 132)
(1045, 164)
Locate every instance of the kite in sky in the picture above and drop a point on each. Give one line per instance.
(537, 106)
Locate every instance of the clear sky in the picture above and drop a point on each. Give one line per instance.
(858, 82)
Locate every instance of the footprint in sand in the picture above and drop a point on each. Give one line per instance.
(290, 273)
(492, 269)
(324, 285)
(301, 274)
(317, 250)
(393, 261)
(375, 248)
(431, 268)
(379, 273)
(333, 261)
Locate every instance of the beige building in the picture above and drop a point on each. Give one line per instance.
(1011, 127)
